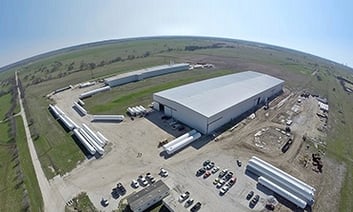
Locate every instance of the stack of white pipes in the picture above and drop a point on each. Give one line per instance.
(62, 116)
(283, 180)
(92, 92)
(181, 142)
(108, 118)
(136, 110)
(94, 136)
(82, 110)
(84, 142)
(91, 140)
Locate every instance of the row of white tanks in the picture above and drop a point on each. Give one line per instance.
(181, 142)
(93, 142)
(81, 110)
(107, 118)
(137, 110)
(289, 187)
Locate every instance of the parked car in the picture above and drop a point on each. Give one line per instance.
(232, 181)
(250, 194)
(215, 169)
(210, 165)
(223, 172)
(206, 162)
(104, 202)
(254, 201)
(143, 181)
(196, 207)
(134, 184)
(216, 181)
(163, 172)
(224, 189)
(220, 183)
(228, 176)
(201, 171)
(184, 196)
(121, 188)
(188, 202)
(207, 174)
(239, 163)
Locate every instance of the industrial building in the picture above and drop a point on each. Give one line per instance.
(145, 73)
(283, 184)
(148, 196)
(209, 104)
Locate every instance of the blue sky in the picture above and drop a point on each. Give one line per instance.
(320, 27)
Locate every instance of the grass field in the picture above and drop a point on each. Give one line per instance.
(81, 203)
(301, 71)
(30, 180)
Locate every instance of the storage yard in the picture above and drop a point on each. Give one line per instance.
(150, 139)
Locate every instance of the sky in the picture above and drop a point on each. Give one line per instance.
(320, 27)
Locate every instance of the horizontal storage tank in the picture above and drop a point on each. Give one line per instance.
(84, 142)
(82, 110)
(108, 118)
(80, 102)
(92, 92)
(70, 121)
(102, 137)
(183, 143)
(55, 112)
(178, 139)
(310, 188)
(86, 84)
(282, 192)
(90, 140)
(93, 135)
(66, 122)
(143, 108)
(283, 181)
(59, 110)
(131, 111)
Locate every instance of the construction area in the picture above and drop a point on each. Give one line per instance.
(286, 129)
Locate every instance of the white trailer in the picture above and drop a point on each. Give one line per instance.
(172, 149)
(84, 142)
(93, 135)
(93, 92)
(118, 118)
(102, 137)
(180, 138)
(282, 192)
(80, 109)
(95, 145)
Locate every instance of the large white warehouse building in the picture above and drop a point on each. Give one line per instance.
(209, 104)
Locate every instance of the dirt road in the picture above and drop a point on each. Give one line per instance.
(51, 197)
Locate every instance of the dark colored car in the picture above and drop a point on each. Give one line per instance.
(254, 201)
(196, 207)
(121, 188)
(239, 163)
(250, 194)
(206, 162)
(201, 171)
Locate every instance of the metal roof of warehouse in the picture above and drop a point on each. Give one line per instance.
(208, 97)
(146, 70)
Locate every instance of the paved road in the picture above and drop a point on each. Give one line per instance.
(51, 197)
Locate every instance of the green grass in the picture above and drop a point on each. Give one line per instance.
(30, 180)
(5, 102)
(4, 129)
(82, 203)
(141, 93)
(10, 193)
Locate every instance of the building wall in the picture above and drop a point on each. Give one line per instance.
(182, 114)
(208, 125)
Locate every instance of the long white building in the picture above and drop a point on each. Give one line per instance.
(145, 73)
(209, 104)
